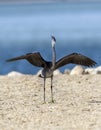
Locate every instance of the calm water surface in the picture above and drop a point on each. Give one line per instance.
(27, 28)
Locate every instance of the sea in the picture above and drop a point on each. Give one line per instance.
(28, 27)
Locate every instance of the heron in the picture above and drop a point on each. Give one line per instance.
(49, 67)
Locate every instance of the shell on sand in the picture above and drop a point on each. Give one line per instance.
(77, 70)
(14, 73)
(90, 71)
(93, 70)
(98, 70)
(57, 72)
(67, 71)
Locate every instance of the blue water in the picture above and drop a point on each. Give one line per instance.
(26, 28)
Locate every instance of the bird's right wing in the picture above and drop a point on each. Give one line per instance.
(75, 58)
(34, 58)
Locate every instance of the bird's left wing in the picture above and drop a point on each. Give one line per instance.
(34, 58)
(75, 58)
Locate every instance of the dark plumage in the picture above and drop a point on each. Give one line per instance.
(48, 67)
(75, 58)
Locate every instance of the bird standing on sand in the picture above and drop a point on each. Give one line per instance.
(49, 66)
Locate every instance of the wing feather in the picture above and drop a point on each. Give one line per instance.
(34, 58)
(75, 58)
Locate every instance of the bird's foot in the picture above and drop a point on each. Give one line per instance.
(44, 102)
(52, 101)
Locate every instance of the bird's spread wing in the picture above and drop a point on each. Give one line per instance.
(75, 58)
(34, 58)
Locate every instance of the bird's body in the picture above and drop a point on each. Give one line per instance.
(49, 66)
(47, 72)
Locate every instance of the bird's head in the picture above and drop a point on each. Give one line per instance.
(53, 41)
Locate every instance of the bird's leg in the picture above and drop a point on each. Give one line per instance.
(44, 88)
(52, 88)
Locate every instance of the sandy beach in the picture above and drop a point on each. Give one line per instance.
(77, 103)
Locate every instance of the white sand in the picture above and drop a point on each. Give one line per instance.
(77, 103)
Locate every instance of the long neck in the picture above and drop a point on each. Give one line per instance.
(53, 56)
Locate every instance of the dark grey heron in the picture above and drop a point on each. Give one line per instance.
(49, 66)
